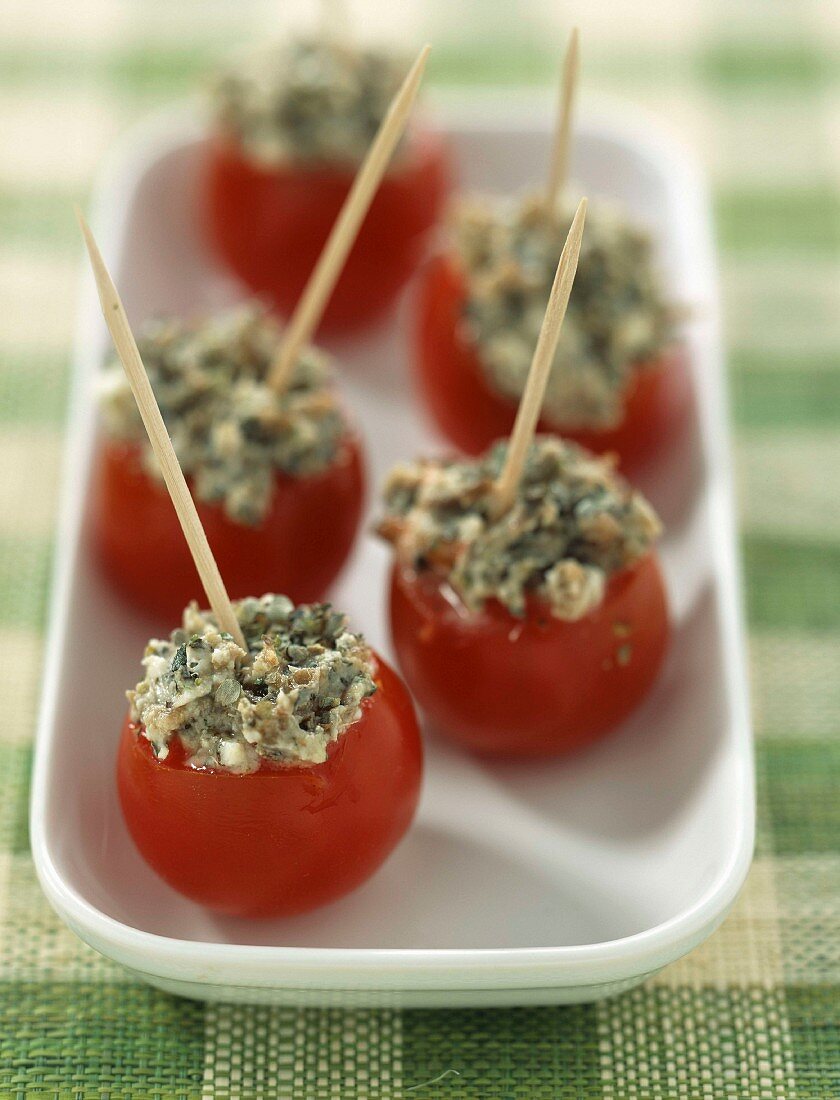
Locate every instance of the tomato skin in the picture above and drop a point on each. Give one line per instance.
(535, 686)
(269, 226)
(138, 538)
(451, 380)
(281, 840)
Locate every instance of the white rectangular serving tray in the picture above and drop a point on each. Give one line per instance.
(552, 882)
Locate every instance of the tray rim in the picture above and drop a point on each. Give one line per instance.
(416, 969)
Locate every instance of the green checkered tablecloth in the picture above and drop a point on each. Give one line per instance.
(753, 1014)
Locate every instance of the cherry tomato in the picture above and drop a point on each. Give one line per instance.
(534, 686)
(286, 838)
(298, 549)
(452, 381)
(269, 225)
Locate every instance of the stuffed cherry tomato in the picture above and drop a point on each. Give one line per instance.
(268, 783)
(135, 526)
(292, 127)
(617, 384)
(278, 480)
(529, 685)
(534, 632)
(451, 379)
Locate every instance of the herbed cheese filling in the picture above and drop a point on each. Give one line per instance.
(618, 319)
(574, 523)
(306, 101)
(232, 433)
(297, 689)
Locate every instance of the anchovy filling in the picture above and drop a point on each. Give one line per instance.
(308, 101)
(573, 524)
(618, 320)
(296, 690)
(231, 431)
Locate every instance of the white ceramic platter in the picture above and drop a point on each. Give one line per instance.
(519, 884)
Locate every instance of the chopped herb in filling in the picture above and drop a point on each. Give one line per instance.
(312, 100)
(573, 524)
(618, 318)
(232, 433)
(297, 689)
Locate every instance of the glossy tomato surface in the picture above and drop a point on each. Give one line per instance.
(470, 413)
(298, 548)
(269, 226)
(535, 686)
(281, 840)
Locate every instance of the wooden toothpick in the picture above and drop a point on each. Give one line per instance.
(559, 168)
(331, 261)
(124, 342)
(531, 403)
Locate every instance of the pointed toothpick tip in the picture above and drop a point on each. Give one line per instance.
(408, 88)
(415, 73)
(87, 236)
(411, 81)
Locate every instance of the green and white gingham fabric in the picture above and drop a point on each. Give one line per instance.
(754, 86)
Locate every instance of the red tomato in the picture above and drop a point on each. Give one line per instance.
(535, 686)
(269, 225)
(453, 381)
(283, 839)
(298, 549)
